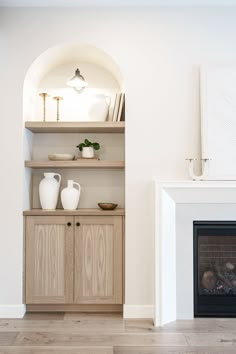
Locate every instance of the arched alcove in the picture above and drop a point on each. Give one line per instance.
(51, 70)
(49, 73)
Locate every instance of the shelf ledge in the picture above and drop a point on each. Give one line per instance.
(62, 212)
(75, 127)
(74, 164)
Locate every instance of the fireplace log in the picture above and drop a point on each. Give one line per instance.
(224, 280)
(209, 280)
(222, 277)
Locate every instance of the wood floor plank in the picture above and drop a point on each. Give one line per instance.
(210, 325)
(110, 317)
(7, 338)
(139, 325)
(55, 350)
(82, 326)
(37, 316)
(173, 350)
(211, 340)
(74, 339)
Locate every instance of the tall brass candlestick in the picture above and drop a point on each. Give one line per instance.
(58, 99)
(44, 95)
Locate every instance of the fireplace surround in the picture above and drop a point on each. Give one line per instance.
(177, 205)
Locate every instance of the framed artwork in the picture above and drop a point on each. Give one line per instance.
(218, 120)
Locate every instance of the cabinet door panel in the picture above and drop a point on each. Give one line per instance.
(98, 260)
(49, 260)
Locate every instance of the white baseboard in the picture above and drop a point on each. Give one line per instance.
(138, 311)
(12, 311)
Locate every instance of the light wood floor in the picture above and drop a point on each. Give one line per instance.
(73, 333)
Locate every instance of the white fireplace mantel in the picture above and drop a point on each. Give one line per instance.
(202, 200)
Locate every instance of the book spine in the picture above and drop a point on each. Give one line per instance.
(116, 108)
(120, 107)
(111, 107)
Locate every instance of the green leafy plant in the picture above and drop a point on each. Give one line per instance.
(88, 143)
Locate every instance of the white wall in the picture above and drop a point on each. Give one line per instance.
(158, 51)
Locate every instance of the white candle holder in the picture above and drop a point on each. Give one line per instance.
(205, 169)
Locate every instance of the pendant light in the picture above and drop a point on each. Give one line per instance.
(77, 82)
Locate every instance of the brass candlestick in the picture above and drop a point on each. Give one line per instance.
(44, 95)
(58, 99)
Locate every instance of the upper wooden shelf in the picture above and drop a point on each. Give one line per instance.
(86, 163)
(76, 127)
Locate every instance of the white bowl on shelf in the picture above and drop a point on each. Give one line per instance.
(61, 157)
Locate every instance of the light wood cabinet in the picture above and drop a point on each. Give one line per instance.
(98, 260)
(74, 259)
(49, 260)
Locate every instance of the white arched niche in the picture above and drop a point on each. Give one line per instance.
(49, 73)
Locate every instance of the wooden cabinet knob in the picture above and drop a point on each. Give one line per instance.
(69, 224)
(78, 224)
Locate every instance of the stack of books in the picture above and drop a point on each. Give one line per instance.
(117, 112)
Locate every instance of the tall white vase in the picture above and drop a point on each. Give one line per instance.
(49, 191)
(70, 195)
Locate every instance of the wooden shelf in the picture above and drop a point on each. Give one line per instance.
(75, 164)
(75, 127)
(59, 212)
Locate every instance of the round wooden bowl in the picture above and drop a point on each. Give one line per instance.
(107, 206)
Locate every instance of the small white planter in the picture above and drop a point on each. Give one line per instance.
(88, 152)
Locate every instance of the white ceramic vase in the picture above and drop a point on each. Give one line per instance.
(88, 152)
(70, 195)
(99, 108)
(49, 190)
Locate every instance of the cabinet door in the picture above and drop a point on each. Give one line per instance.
(49, 260)
(98, 260)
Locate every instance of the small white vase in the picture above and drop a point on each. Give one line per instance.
(70, 195)
(49, 191)
(99, 108)
(88, 152)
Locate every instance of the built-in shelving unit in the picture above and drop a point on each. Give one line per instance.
(75, 127)
(74, 259)
(75, 164)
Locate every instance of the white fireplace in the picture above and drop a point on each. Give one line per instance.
(177, 205)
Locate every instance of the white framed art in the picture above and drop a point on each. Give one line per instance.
(218, 120)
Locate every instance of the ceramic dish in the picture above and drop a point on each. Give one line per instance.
(61, 157)
(107, 206)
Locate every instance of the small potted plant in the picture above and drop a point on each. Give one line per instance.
(87, 148)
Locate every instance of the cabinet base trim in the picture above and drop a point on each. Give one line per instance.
(74, 308)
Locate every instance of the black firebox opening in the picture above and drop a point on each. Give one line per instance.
(214, 250)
